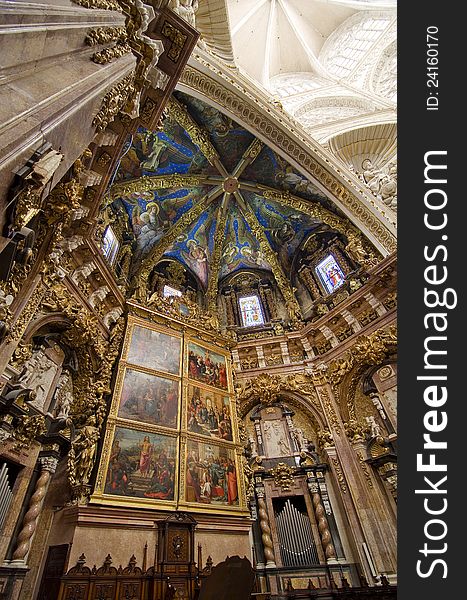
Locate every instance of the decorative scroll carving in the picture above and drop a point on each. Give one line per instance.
(105, 35)
(266, 389)
(106, 55)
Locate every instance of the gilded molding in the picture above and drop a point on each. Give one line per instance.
(258, 121)
(156, 182)
(199, 136)
(102, 57)
(266, 389)
(105, 35)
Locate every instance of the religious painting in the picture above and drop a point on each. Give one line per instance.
(154, 350)
(141, 465)
(207, 366)
(208, 413)
(149, 399)
(211, 475)
(330, 273)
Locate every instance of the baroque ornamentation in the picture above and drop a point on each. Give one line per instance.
(368, 350)
(283, 476)
(267, 388)
(28, 429)
(114, 101)
(354, 430)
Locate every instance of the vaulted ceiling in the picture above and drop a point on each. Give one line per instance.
(205, 192)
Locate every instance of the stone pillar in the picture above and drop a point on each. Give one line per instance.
(48, 465)
(260, 354)
(270, 302)
(310, 284)
(371, 519)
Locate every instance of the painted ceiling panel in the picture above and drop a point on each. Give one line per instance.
(194, 247)
(164, 177)
(241, 249)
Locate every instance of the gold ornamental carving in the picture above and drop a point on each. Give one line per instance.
(114, 101)
(365, 470)
(368, 350)
(28, 429)
(177, 38)
(266, 388)
(99, 4)
(329, 409)
(155, 182)
(102, 57)
(283, 476)
(339, 475)
(105, 35)
(354, 430)
(325, 439)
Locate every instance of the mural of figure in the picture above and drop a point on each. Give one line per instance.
(152, 227)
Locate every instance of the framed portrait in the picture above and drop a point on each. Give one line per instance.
(141, 465)
(149, 398)
(208, 412)
(207, 366)
(154, 349)
(211, 476)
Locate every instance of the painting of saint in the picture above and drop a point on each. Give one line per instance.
(207, 366)
(211, 475)
(208, 413)
(141, 465)
(149, 399)
(154, 350)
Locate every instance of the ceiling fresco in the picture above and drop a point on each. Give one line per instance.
(219, 181)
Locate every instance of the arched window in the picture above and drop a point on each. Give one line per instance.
(330, 273)
(251, 310)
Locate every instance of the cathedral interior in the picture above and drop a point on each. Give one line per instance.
(198, 299)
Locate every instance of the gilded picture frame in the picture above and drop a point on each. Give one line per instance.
(211, 476)
(153, 347)
(139, 467)
(147, 397)
(207, 364)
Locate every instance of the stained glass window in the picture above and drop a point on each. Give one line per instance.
(170, 291)
(250, 308)
(109, 245)
(330, 273)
